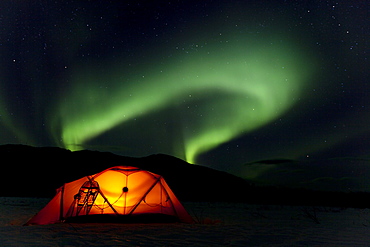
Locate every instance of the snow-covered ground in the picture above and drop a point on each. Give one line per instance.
(219, 224)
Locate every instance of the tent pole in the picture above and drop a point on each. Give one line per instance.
(110, 205)
(61, 217)
(146, 193)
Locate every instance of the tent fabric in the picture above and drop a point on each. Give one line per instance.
(120, 190)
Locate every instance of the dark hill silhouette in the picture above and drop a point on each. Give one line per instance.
(39, 171)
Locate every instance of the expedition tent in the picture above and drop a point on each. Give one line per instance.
(121, 192)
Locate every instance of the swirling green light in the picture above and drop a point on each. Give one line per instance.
(245, 84)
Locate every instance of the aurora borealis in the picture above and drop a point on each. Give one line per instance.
(216, 83)
(216, 97)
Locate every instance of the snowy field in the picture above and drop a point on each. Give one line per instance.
(219, 224)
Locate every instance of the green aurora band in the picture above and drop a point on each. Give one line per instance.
(232, 88)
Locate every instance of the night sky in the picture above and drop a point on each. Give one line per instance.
(217, 83)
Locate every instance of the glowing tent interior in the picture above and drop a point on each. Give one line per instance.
(122, 192)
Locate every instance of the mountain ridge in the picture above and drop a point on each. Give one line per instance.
(44, 169)
(39, 171)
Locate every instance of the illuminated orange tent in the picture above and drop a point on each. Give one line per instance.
(122, 192)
